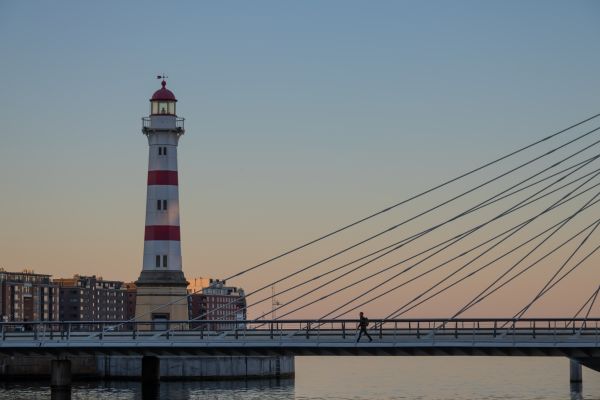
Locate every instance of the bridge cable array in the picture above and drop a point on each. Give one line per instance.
(591, 300)
(402, 310)
(583, 163)
(399, 244)
(376, 255)
(421, 275)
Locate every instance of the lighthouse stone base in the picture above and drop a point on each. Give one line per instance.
(161, 296)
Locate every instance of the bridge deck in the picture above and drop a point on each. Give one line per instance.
(572, 338)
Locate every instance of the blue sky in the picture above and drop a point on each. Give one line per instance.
(300, 116)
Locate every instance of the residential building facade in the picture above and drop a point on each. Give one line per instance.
(27, 296)
(91, 298)
(217, 302)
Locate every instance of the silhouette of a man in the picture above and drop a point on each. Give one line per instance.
(362, 324)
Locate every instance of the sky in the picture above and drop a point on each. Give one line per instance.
(300, 117)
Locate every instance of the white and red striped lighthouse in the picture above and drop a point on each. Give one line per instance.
(161, 281)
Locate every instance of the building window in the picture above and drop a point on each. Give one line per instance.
(162, 151)
(157, 261)
(165, 261)
(164, 205)
(158, 204)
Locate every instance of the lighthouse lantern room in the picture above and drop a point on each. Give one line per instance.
(163, 101)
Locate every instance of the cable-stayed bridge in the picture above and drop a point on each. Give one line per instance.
(517, 235)
(575, 338)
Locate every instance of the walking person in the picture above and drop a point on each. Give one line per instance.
(362, 324)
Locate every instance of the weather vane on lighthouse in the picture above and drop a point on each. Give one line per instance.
(163, 76)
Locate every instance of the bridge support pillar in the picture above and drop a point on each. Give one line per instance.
(576, 380)
(150, 370)
(60, 373)
(576, 371)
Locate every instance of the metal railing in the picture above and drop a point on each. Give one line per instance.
(179, 123)
(396, 330)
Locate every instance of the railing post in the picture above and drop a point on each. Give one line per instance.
(534, 329)
(418, 332)
(495, 327)
(3, 333)
(271, 331)
(514, 331)
(102, 331)
(307, 330)
(381, 330)
(344, 330)
(456, 330)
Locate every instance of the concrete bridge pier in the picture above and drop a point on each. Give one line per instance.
(150, 377)
(576, 371)
(60, 373)
(60, 379)
(576, 378)
(150, 370)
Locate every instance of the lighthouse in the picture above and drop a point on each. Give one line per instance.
(162, 287)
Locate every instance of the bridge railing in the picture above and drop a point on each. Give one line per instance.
(303, 329)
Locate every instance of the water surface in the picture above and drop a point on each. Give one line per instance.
(358, 378)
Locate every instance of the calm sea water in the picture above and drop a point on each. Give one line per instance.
(359, 378)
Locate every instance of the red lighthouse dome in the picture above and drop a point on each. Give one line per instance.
(163, 101)
(163, 93)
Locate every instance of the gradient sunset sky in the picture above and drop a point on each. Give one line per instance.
(300, 117)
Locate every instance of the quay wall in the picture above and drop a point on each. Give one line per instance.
(171, 368)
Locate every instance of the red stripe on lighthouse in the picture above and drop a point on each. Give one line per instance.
(162, 178)
(162, 232)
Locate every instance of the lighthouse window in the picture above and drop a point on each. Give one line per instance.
(157, 265)
(160, 151)
(163, 108)
(165, 261)
(164, 151)
(161, 205)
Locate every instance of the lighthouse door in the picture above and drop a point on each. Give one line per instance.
(160, 322)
